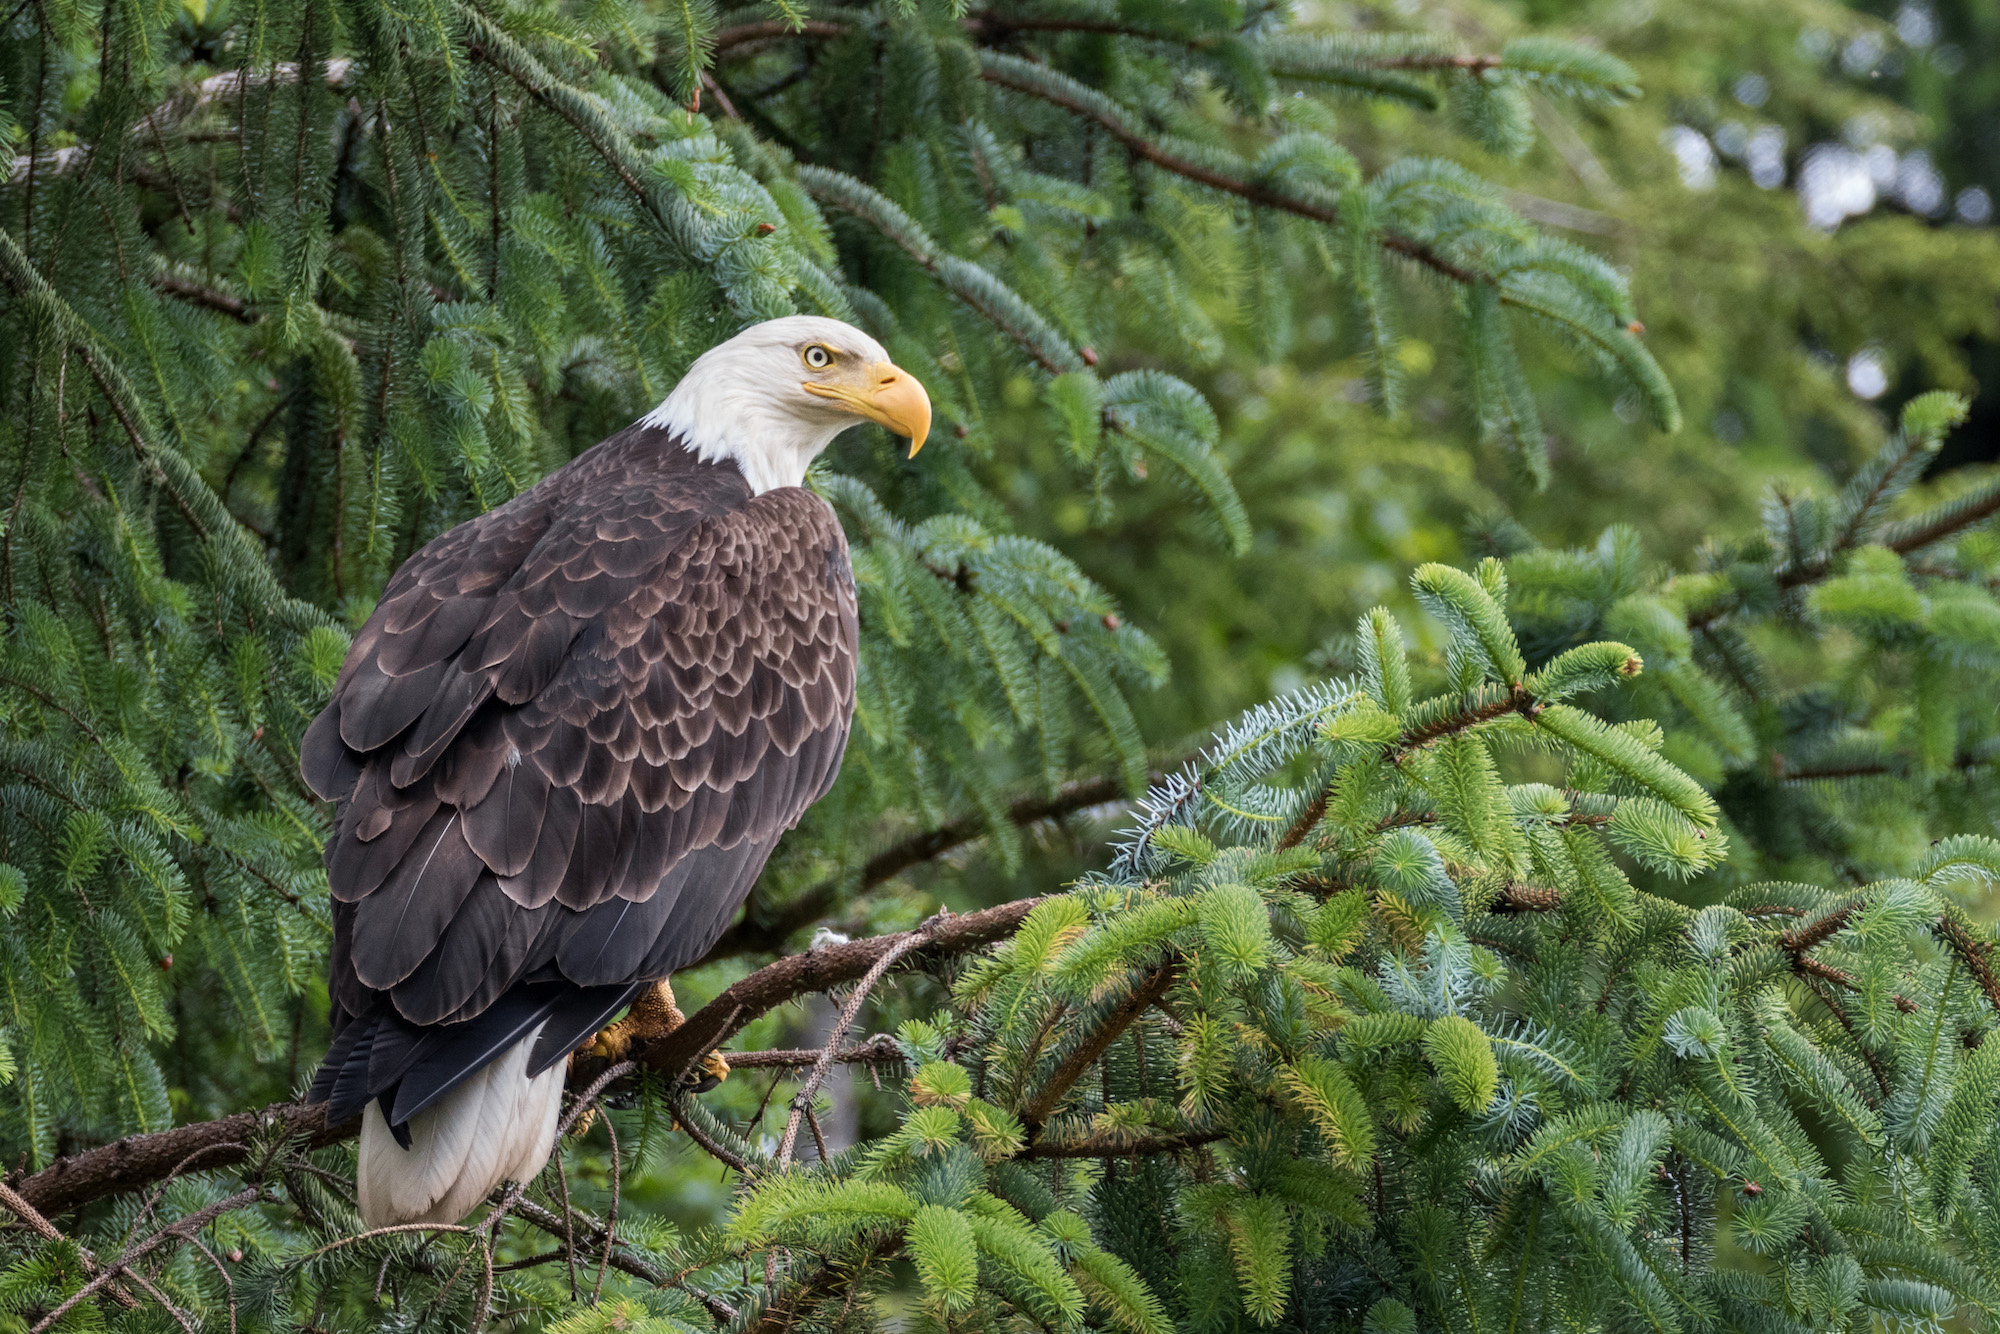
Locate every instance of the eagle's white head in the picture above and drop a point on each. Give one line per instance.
(777, 394)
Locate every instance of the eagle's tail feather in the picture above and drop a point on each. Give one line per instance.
(498, 1125)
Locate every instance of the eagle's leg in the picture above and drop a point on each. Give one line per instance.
(653, 1015)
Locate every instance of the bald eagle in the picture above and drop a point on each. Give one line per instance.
(564, 745)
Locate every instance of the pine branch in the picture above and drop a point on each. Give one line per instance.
(878, 1050)
(1956, 516)
(756, 934)
(138, 1161)
(186, 289)
(179, 1229)
(749, 34)
(995, 25)
(617, 1254)
(1479, 64)
(978, 289)
(1085, 1054)
(1111, 1146)
(494, 47)
(32, 1219)
(1975, 954)
(181, 106)
(1516, 700)
(199, 505)
(1518, 898)
(997, 73)
(1901, 538)
(1963, 761)
(1264, 196)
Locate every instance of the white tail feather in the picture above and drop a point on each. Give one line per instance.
(497, 1126)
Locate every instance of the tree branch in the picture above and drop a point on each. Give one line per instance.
(1111, 1146)
(1516, 700)
(765, 934)
(138, 1161)
(749, 34)
(186, 289)
(986, 24)
(1977, 955)
(1086, 1052)
(1901, 538)
(1260, 195)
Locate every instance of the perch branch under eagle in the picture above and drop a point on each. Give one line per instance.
(564, 746)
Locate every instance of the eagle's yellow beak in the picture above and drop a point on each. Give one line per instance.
(886, 394)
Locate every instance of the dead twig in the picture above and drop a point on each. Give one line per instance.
(848, 1013)
(42, 1227)
(181, 1228)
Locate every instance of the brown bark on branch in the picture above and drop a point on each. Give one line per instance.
(1261, 195)
(1086, 1053)
(1516, 700)
(1110, 1146)
(1900, 538)
(1976, 954)
(138, 1161)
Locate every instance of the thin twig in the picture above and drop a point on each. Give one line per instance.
(1085, 1054)
(1111, 1146)
(184, 1227)
(611, 1215)
(848, 1013)
(621, 1258)
(708, 1145)
(757, 933)
(180, 1316)
(1262, 195)
(42, 1227)
(569, 1220)
(1516, 700)
(878, 1050)
(819, 1140)
(228, 1283)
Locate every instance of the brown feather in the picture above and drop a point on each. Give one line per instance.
(398, 924)
(504, 828)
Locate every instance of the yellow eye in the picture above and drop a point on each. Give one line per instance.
(818, 357)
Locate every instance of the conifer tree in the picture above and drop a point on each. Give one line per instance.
(1591, 970)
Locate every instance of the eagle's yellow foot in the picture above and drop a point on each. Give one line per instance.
(653, 1015)
(716, 1070)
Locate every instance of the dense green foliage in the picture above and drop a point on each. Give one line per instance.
(1595, 943)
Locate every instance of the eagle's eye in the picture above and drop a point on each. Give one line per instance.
(817, 357)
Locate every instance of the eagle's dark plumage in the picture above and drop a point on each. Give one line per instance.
(564, 746)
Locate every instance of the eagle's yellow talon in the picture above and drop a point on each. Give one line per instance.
(716, 1065)
(653, 1015)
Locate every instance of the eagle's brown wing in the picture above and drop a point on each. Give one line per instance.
(564, 745)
